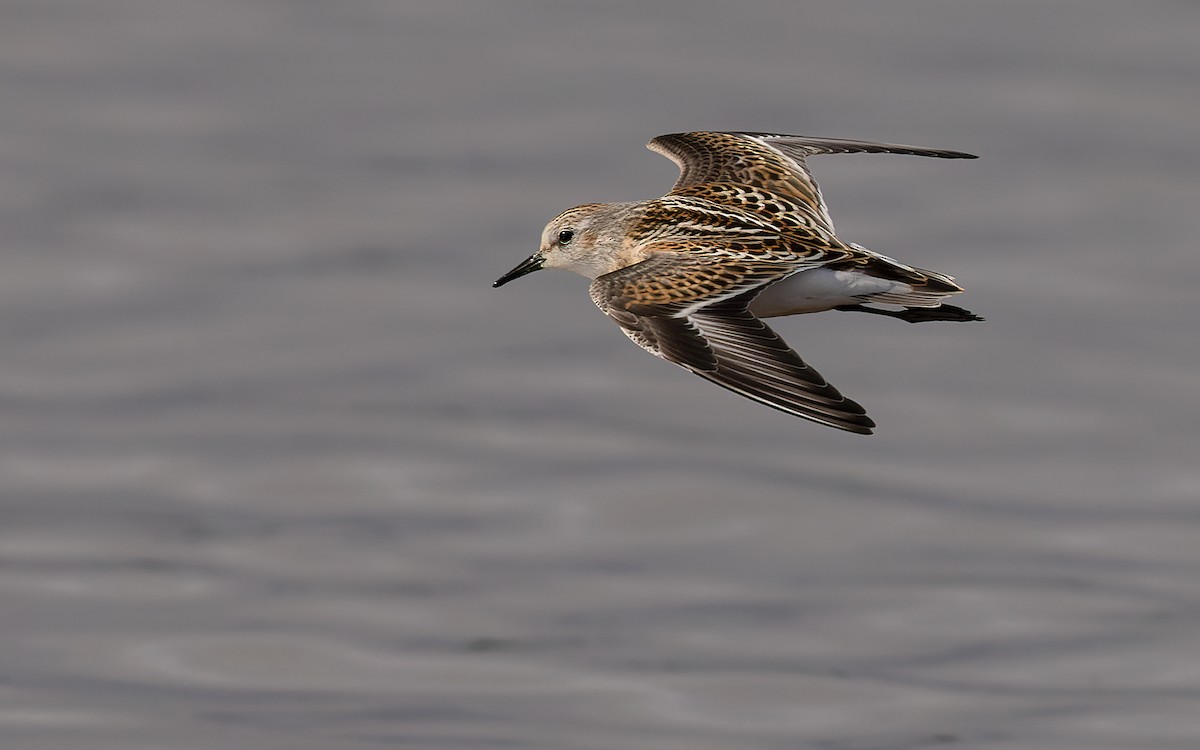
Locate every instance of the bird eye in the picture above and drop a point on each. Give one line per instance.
(565, 236)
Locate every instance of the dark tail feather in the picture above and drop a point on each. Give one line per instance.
(920, 314)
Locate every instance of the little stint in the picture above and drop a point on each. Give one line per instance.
(744, 234)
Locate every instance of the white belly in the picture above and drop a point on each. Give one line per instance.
(820, 289)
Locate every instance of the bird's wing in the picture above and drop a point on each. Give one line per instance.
(694, 312)
(771, 161)
(701, 224)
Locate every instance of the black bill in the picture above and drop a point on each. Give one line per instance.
(529, 265)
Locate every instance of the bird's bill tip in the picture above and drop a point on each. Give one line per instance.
(529, 265)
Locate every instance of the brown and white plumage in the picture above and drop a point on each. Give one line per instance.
(743, 234)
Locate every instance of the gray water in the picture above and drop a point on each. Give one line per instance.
(279, 469)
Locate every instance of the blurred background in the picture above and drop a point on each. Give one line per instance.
(279, 469)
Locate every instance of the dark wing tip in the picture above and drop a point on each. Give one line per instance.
(857, 429)
(813, 145)
(842, 416)
(753, 361)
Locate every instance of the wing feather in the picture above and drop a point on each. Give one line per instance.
(715, 336)
(772, 161)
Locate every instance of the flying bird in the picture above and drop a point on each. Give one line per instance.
(744, 234)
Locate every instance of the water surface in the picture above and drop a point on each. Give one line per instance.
(278, 469)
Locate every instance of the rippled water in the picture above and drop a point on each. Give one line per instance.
(280, 470)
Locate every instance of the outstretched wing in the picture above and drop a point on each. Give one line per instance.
(771, 161)
(694, 312)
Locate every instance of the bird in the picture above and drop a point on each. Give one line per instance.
(744, 234)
